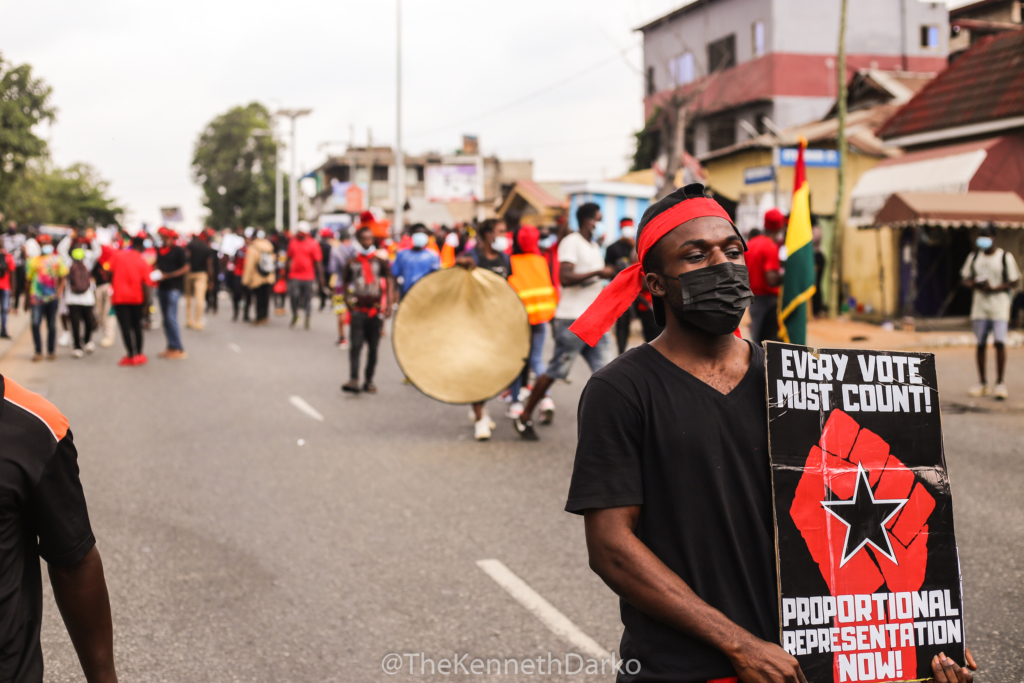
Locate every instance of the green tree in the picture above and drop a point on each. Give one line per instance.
(75, 195)
(648, 143)
(235, 168)
(24, 103)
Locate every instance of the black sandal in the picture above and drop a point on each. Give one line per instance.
(352, 386)
(370, 388)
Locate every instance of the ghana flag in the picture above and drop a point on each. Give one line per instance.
(798, 282)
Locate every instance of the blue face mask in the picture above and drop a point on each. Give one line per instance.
(548, 241)
(984, 243)
(420, 239)
(148, 244)
(47, 249)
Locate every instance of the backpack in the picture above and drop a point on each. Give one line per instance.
(267, 263)
(78, 278)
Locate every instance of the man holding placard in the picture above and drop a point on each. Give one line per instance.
(672, 470)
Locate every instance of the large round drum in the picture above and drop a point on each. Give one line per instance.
(461, 336)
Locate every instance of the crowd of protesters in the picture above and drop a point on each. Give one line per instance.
(84, 284)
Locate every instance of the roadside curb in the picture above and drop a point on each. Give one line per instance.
(17, 325)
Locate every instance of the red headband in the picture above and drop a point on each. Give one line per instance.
(627, 285)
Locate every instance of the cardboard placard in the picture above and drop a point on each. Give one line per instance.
(869, 576)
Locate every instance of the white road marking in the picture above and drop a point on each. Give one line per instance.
(306, 408)
(559, 624)
(235, 347)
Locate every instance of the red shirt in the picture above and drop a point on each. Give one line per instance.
(5, 281)
(762, 256)
(303, 254)
(130, 272)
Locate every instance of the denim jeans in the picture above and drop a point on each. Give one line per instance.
(169, 310)
(568, 346)
(535, 361)
(49, 310)
(5, 307)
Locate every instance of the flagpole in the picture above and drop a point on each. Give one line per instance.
(836, 295)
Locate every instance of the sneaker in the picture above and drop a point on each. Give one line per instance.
(64, 339)
(126, 362)
(979, 390)
(140, 359)
(524, 393)
(307, 323)
(295, 320)
(525, 429)
(90, 347)
(176, 354)
(370, 388)
(505, 396)
(51, 356)
(490, 423)
(514, 410)
(1000, 392)
(78, 353)
(37, 357)
(482, 429)
(107, 342)
(547, 410)
(4, 335)
(342, 344)
(352, 386)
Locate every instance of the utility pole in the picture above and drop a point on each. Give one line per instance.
(398, 225)
(293, 181)
(278, 183)
(840, 219)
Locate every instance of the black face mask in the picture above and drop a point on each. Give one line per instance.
(714, 298)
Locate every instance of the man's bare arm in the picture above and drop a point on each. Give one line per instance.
(81, 594)
(568, 276)
(637, 575)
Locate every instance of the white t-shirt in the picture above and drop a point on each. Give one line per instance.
(981, 266)
(585, 257)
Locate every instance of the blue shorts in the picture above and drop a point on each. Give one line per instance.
(996, 327)
(568, 346)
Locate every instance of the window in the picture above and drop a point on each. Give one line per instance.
(757, 38)
(722, 53)
(342, 174)
(930, 37)
(650, 81)
(682, 68)
(721, 132)
(380, 172)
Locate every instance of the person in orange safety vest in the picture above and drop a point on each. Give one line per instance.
(531, 278)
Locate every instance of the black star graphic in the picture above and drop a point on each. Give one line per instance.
(865, 518)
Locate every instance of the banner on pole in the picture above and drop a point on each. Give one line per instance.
(869, 575)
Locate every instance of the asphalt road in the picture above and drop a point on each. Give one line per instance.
(245, 540)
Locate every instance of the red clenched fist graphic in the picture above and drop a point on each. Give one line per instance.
(832, 466)
(863, 515)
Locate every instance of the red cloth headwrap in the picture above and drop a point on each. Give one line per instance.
(627, 285)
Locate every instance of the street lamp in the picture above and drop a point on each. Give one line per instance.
(278, 180)
(399, 155)
(293, 183)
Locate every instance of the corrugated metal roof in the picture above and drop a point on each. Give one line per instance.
(985, 84)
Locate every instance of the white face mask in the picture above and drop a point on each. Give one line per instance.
(47, 249)
(629, 232)
(420, 239)
(598, 235)
(500, 244)
(365, 251)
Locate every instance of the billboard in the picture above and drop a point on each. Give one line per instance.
(456, 180)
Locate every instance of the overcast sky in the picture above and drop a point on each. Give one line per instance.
(135, 82)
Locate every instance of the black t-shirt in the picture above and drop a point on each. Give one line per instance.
(169, 260)
(619, 255)
(199, 254)
(500, 265)
(696, 461)
(42, 514)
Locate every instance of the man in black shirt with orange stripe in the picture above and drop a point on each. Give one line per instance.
(43, 514)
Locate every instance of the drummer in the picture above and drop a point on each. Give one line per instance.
(490, 253)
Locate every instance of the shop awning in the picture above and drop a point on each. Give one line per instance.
(952, 210)
(993, 165)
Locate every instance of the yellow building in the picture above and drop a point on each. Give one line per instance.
(757, 174)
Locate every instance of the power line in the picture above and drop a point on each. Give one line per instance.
(527, 98)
